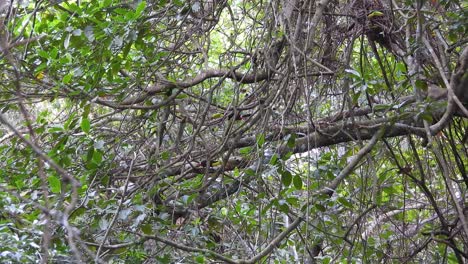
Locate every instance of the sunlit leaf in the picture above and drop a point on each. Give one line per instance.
(139, 9)
(375, 14)
(55, 184)
(85, 124)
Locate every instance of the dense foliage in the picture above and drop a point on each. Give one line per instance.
(234, 131)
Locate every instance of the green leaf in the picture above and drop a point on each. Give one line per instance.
(105, 180)
(97, 157)
(284, 207)
(426, 116)
(166, 259)
(297, 181)
(55, 184)
(54, 53)
(287, 156)
(89, 154)
(401, 67)
(245, 150)
(67, 78)
(86, 110)
(141, 6)
(187, 199)
(294, 201)
(55, 129)
(381, 107)
(345, 202)
(355, 97)
(125, 51)
(326, 260)
(147, 229)
(320, 207)
(292, 141)
(421, 85)
(110, 75)
(165, 155)
(200, 259)
(452, 37)
(85, 125)
(106, 3)
(286, 178)
(274, 159)
(67, 58)
(20, 183)
(390, 190)
(260, 140)
(375, 14)
(249, 172)
(224, 211)
(78, 212)
(43, 54)
(217, 115)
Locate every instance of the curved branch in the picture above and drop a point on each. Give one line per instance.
(351, 165)
(458, 88)
(273, 243)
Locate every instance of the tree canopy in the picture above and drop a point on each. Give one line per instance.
(230, 131)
